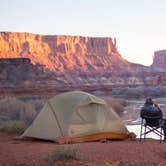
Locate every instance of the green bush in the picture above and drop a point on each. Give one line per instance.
(13, 127)
(64, 152)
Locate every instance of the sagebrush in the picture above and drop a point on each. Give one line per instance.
(13, 127)
(65, 152)
(117, 104)
(14, 109)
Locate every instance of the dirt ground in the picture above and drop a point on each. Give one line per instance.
(113, 153)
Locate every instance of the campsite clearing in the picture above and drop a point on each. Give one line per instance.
(112, 153)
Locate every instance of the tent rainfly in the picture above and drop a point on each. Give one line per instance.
(76, 117)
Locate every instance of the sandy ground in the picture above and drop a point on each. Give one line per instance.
(113, 153)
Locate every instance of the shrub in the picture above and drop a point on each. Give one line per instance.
(117, 104)
(16, 109)
(64, 152)
(15, 127)
(121, 101)
(38, 103)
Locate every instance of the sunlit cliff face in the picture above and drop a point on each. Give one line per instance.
(61, 52)
(74, 60)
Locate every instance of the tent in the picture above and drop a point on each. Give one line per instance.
(78, 116)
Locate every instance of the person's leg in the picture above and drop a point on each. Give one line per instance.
(164, 128)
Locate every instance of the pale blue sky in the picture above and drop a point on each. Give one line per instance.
(138, 25)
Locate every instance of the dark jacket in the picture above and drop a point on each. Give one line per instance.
(150, 111)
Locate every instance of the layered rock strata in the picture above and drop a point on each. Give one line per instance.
(70, 62)
(159, 60)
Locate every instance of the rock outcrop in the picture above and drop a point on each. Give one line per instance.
(159, 60)
(59, 53)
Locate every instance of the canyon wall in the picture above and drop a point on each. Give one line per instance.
(61, 52)
(71, 62)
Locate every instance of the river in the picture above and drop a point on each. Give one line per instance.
(131, 113)
(136, 129)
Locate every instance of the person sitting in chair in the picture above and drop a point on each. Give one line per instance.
(150, 109)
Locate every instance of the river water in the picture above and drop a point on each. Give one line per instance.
(137, 128)
(131, 113)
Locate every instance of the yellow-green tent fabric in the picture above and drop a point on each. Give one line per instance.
(78, 115)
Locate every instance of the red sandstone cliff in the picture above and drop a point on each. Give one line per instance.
(62, 52)
(69, 61)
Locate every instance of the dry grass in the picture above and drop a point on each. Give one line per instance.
(17, 127)
(15, 109)
(65, 152)
(16, 114)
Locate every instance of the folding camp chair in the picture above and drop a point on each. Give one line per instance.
(151, 125)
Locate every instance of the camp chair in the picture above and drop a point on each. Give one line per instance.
(151, 124)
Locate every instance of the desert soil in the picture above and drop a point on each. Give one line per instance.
(112, 153)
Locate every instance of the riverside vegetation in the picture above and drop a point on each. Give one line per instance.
(16, 114)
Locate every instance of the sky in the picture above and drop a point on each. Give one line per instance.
(138, 25)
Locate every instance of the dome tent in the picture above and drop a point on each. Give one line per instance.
(79, 116)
